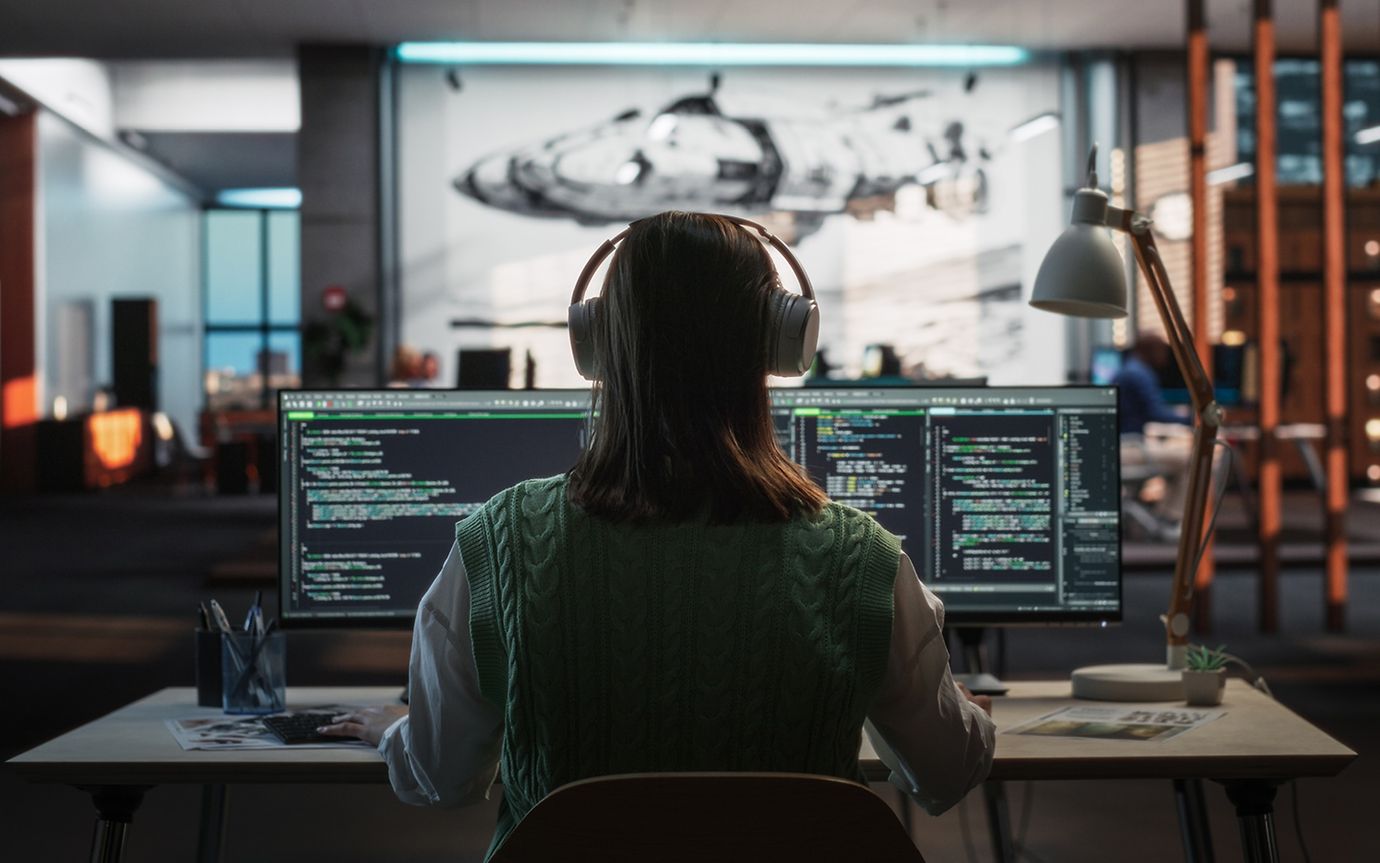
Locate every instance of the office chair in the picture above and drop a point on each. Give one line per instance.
(724, 817)
(1136, 472)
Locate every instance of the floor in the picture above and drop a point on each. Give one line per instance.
(97, 607)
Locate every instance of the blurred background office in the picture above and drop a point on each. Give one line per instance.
(203, 205)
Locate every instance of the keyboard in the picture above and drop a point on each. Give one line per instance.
(295, 728)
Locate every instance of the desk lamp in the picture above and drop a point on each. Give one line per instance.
(1083, 276)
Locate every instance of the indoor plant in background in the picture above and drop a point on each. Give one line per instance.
(1206, 675)
(344, 331)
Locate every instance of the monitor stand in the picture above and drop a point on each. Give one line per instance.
(976, 677)
(981, 683)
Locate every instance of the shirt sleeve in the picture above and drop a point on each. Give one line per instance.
(445, 751)
(937, 744)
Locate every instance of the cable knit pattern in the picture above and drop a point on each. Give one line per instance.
(616, 648)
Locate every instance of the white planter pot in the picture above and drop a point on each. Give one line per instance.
(1204, 688)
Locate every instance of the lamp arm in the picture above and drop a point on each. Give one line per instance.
(1171, 314)
(1207, 419)
(1190, 364)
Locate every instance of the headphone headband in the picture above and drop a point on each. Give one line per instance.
(610, 245)
(792, 328)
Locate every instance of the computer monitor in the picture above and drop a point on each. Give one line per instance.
(1106, 362)
(1228, 374)
(483, 368)
(1006, 499)
(1229, 364)
(372, 483)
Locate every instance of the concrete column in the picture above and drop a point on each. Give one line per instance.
(19, 374)
(338, 171)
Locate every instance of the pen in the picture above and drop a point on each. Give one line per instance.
(254, 612)
(222, 622)
(203, 617)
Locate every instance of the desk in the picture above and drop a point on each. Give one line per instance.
(1258, 744)
(1301, 435)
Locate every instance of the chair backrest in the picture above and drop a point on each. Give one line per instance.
(674, 817)
(1137, 465)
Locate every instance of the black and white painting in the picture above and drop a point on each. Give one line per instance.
(920, 201)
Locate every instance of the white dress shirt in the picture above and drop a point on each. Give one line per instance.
(445, 751)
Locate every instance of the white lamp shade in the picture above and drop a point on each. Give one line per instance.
(1082, 275)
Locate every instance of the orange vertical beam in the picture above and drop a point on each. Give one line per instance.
(1267, 305)
(1334, 313)
(1197, 189)
(18, 336)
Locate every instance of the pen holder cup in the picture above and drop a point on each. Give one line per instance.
(253, 678)
(208, 689)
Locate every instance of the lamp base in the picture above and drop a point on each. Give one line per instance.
(1129, 682)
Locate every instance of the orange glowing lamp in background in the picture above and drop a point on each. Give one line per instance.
(115, 449)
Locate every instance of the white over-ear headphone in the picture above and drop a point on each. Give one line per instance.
(792, 331)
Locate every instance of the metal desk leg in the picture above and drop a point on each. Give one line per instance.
(115, 806)
(1313, 463)
(1243, 487)
(999, 822)
(1255, 804)
(210, 845)
(1193, 820)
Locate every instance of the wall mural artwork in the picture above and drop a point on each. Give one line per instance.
(692, 155)
(919, 201)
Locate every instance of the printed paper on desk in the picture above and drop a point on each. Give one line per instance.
(1121, 722)
(245, 732)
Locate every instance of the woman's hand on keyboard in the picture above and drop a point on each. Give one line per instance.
(367, 723)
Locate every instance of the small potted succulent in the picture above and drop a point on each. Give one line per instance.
(1206, 675)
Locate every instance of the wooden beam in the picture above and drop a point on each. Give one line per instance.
(18, 335)
(1334, 314)
(1197, 83)
(1267, 309)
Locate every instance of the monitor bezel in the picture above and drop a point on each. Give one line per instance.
(404, 621)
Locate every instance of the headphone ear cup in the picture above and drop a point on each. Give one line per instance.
(583, 319)
(793, 334)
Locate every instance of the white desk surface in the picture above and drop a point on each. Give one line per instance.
(1283, 431)
(1257, 738)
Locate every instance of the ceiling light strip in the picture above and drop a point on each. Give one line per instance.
(261, 199)
(707, 54)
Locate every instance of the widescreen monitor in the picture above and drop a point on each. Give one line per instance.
(1006, 499)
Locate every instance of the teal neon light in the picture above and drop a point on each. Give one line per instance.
(264, 199)
(707, 54)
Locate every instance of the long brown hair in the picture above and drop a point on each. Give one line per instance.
(683, 422)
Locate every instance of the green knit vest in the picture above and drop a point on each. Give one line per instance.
(619, 648)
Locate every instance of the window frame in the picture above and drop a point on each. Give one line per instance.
(265, 327)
